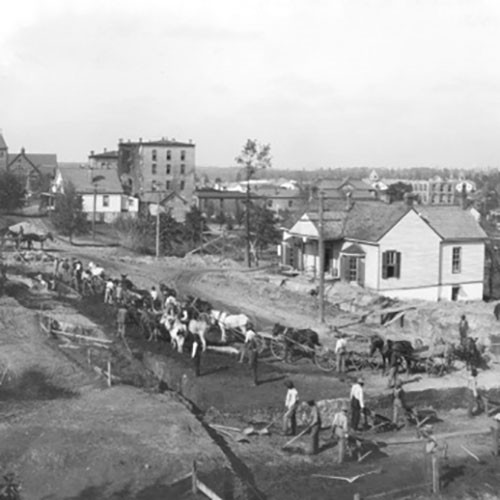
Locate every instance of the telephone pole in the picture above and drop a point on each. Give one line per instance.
(321, 252)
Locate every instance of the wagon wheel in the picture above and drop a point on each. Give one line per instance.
(325, 360)
(278, 349)
(430, 369)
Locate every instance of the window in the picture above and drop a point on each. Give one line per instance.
(353, 269)
(167, 185)
(181, 186)
(153, 155)
(183, 155)
(183, 169)
(169, 154)
(391, 264)
(169, 167)
(131, 202)
(456, 260)
(105, 200)
(290, 203)
(153, 169)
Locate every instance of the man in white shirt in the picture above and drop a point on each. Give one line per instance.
(357, 403)
(291, 404)
(108, 293)
(249, 339)
(340, 353)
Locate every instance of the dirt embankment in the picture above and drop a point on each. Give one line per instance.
(67, 435)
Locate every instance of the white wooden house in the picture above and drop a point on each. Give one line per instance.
(426, 252)
(106, 191)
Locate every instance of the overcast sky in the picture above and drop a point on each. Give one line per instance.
(327, 83)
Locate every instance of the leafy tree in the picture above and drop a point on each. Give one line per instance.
(68, 216)
(263, 229)
(171, 234)
(12, 191)
(398, 190)
(194, 226)
(253, 157)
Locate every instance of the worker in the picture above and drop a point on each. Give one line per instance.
(475, 404)
(249, 337)
(196, 354)
(357, 403)
(341, 352)
(154, 296)
(340, 429)
(315, 427)
(253, 359)
(399, 402)
(291, 404)
(394, 364)
(463, 329)
(108, 291)
(121, 318)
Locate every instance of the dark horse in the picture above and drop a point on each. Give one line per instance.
(469, 353)
(30, 238)
(293, 336)
(399, 348)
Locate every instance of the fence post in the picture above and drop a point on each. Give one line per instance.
(495, 431)
(194, 479)
(109, 373)
(435, 473)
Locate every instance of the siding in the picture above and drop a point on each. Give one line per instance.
(419, 247)
(472, 263)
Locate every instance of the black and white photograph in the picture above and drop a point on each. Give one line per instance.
(250, 250)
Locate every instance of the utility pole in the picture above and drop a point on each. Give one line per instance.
(321, 251)
(247, 218)
(158, 226)
(94, 210)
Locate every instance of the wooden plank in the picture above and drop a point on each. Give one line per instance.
(438, 436)
(207, 491)
(84, 337)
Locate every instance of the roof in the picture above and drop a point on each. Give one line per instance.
(3, 144)
(105, 154)
(222, 194)
(335, 184)
(81, 177)
(364, 221)
(37, 159)
(353, 249)
(152, 197)
(160, 143)
(451, 222)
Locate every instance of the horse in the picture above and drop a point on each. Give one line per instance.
(304, 337)
(496, 311)
(200, 327)
(29, 238)
(178, 333)
(95, 270)
(469, 353)
(227, 321)
(401, 348)
(199, 305)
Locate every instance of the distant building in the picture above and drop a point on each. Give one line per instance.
(102, 186)
(166, 166)
(397, 250)
(339, 189)
(105, 160)
(35, 169)
(215, 202)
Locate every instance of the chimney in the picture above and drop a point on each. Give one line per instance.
(463, 196)
(140, 140)
(408, 199)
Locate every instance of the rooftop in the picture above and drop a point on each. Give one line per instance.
(81, 177)
(160, 143)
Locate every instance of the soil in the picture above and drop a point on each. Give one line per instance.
(135, 422)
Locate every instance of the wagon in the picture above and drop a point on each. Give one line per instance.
(436, 362)
(361, 361)
(322, 357)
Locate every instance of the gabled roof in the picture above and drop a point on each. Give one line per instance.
(81, 177)
(152, 197)
(3, 144)
(353, 249)
(335, 184)
(36, 159)
(451, 222)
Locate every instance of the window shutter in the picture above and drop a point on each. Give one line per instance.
(384, 265)
(398, 265)
(344, 268)
(361, 272)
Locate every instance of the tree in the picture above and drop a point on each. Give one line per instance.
(194, 226)
(253, 157)
(263, 229)
(398, 190)
(12, 191)
(68, 216)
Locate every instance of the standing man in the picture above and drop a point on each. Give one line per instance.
(340, 429)
(253, 359)
(340, 353)
(399, 403)
(121, 318)
(315, 426)
(463, 329)
(290, 416)
(108, 291)
(357, 403)
(196, 354)
(249, 338)
(474, 398)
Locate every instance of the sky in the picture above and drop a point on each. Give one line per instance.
(327, 83)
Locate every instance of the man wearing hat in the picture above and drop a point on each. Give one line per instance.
(340, 353)
(315, 426)
(291, 403)
(340, 429)
(357, 402)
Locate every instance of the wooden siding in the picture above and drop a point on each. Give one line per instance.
(472, 263)
(304, 227)
(419, 247)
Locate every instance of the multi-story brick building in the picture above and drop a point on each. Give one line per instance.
(164, 165)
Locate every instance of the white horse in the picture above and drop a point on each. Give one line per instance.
(178, 333)
(229, 321)
(95, 270)
(199, 327)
